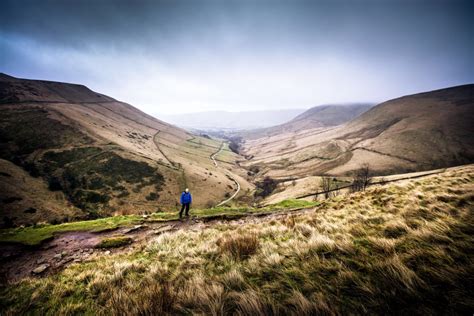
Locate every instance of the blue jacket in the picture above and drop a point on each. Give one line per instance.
(186, 198)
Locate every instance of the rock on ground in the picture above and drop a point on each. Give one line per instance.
(40, 269)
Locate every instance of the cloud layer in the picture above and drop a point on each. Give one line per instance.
(187, 56)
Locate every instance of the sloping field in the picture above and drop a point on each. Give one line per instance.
(404, 248)
(315, 117)
(413, 133)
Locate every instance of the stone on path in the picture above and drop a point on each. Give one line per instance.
(134, 228)
(41, 268)
(66, 260)
(162, 229)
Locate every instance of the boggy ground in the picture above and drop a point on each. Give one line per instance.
(400, 248)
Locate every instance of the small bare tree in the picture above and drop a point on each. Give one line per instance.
(326, 185)
(362, 178)
(336, 191)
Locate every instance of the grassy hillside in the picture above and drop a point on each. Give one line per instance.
(318, 116)
(96, 157)
(404, 248)
(89, 173)
(413, 133)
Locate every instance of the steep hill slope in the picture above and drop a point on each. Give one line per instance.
(417, 132)
(318, 116)
(96, 155)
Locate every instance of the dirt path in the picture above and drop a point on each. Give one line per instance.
(172, 163)
(229, 174)
(216, 153)
(18, 261)
(235, 193)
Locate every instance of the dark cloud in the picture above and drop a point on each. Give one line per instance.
(433, 38)
(351, 23)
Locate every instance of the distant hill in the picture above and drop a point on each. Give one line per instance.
(224, 120)
(412, 133)
(318, 116)
(67, 152)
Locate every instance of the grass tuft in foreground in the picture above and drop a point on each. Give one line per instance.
(239, 246)
(114, 242)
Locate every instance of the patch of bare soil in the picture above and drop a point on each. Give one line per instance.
(19, 261)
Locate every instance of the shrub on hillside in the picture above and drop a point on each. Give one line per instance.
(265, 187)
(7, 222)
(54, 184)
(234, 144)
(253, 170)
(87, 183)
(152, 196)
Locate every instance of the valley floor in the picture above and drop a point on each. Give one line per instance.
(400, 248)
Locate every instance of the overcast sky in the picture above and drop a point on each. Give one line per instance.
(188, 56)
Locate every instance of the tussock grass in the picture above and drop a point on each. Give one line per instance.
(395, 229)
(396, 249)
(240, 246)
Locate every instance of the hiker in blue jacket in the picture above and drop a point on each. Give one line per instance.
(186, 200)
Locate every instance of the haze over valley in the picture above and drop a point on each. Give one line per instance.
(230, 121)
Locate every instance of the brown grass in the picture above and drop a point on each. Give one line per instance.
(340, 258)
(239, 246)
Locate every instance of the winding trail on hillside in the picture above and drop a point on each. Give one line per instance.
(229, 174)
(171, 162)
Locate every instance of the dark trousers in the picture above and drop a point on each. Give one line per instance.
(184, 206)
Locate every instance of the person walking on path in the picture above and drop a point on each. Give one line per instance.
(186, 200)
